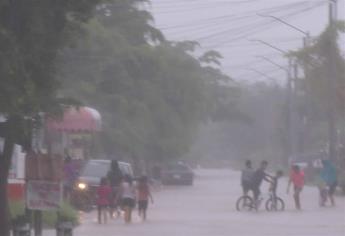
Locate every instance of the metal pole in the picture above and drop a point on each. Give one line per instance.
(332, 134)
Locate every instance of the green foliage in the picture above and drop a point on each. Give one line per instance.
(67, 212)
(152, 96)
(31, 33)
(323, 60)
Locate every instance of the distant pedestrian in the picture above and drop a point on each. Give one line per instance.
(70, 175)
(247, 177)
(128, 194)
(329, 176)
(297, 179)
(144, 194)
(322, 187)
(157, 176)
(103, 195)
(115, 178)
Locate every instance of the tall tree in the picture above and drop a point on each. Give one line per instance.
(152, 94)
(31, 34)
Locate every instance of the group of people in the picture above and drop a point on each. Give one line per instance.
(252, 179)
(117, 192)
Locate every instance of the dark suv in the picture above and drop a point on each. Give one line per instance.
(84, 192)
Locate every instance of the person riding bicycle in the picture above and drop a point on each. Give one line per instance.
(258, 176)
(247, 177)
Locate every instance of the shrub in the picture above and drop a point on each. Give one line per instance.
(67, 213)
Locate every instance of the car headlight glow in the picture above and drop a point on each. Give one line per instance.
(81, 186)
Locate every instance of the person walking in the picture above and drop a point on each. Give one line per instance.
(70, 176)
(103, 195)
(144, 194)
(329, 175)
(247, 177)
(297, 179)
(127, 192)
(115, 177)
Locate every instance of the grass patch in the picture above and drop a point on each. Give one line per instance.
(67, 213)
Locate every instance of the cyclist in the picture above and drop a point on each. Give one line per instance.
(247, 177)
(258, 176)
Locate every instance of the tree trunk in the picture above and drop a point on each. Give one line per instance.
(5, 161)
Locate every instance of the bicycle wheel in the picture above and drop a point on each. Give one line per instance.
(276, 204)
(244, 203)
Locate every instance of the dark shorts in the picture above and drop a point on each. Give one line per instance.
(102, 207)
(332, 188)
(114, 201)
(256, 192)
(128, 202)
(297, 190)
(142, 205)
(246, 187)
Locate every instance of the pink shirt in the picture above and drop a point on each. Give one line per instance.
(103, 195)
(297, 178)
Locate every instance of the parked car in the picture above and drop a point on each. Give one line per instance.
(177, 174)
(84, 192)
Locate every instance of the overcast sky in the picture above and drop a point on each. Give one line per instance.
(226, 26)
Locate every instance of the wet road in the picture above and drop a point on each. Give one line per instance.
(208, 209)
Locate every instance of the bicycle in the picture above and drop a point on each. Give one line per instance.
(247, 203)
(274, 203)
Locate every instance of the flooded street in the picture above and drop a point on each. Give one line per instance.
(208, 209)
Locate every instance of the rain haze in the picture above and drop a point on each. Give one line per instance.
(172, 117)
(227, 26)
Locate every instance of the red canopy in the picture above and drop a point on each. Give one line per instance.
(77, 120)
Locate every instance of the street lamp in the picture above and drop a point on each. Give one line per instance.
(272, 62)
(262, 74)
(290, 106)
(285, 23)
(269, 45)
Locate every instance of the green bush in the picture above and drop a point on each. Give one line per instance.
(67, 213)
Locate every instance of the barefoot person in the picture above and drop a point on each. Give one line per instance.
(329, 176)
(127, 192)
(103, 195)
(115, 178)
(247, 177)
(144, 194)
(297, 179)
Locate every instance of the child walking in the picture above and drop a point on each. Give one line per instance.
(144, 193)
(297, 179)
(127, 192)
(103, 195)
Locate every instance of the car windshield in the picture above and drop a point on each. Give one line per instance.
(95, 169)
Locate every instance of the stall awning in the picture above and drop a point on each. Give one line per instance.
(82, 119)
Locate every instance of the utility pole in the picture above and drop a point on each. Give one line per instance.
(300, 119)
(332, 132)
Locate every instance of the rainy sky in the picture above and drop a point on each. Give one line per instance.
(228, 26)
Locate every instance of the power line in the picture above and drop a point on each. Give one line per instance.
(259, 27)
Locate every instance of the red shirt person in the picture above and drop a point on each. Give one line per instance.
(144, 194)
(297, 179)
(103, 196)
